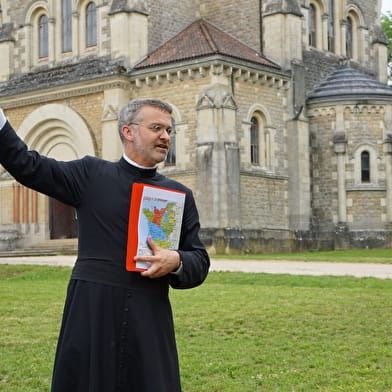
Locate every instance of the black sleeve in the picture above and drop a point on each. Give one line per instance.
(194, 257)
(61, 180)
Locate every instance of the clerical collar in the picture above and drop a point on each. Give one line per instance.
(133, 163)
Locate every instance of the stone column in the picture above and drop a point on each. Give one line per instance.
(6, 51)
(51, 43)
(339, 141)
(341, 229)
(388, 176)
(126, 23)
(218, 178)
(114, 100)
(75, 34)
(299, 174)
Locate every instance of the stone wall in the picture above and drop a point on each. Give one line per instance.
(167, 18)
(239, 18)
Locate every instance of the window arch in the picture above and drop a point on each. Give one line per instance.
(43, 36)
(365, 157)
(254, 141)
(331, 26)
(365, 167)
(38, 39)
(354, 40)
(91, 24)
(312, 23)
(349, 37)
(260, 141)
(171, 155)
(66, 25)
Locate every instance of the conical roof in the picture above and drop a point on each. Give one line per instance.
(348, 83)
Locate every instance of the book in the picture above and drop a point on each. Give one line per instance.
(157, 212)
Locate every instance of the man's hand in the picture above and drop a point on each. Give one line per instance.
(163, 261)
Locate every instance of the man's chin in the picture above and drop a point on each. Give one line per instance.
(160, 157)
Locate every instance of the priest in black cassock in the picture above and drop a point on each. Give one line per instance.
(117, 331)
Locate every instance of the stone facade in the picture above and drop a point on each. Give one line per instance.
(224, 66)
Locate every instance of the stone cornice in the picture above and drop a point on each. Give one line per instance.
(217, 65)
(173, 171)
(354, 107)
(64, 91)
(263, 173)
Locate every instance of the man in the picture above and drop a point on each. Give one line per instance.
(117, 331)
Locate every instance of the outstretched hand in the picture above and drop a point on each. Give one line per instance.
(163, 261)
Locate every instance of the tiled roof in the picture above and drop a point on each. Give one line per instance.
(346, 82)
(201, 39)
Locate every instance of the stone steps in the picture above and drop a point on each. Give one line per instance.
(66, 246)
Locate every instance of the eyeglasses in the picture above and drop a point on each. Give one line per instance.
(156, 128)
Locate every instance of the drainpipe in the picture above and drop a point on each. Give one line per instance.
(261, 24)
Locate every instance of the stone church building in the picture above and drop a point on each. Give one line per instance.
(282, 111)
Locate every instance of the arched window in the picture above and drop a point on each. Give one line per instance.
(171, 155)
(254, 142)
(365, 166)
(312, 25)
(66, 19)
(91, 24)
(354, 35)
(331, 26)
(43, 36)
(349, 38)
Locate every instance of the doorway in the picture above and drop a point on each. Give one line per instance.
(62, 220)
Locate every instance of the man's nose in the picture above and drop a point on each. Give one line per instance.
(165, 134)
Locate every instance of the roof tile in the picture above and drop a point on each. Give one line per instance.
(200, 39)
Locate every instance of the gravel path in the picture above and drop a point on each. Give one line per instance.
(383, 271)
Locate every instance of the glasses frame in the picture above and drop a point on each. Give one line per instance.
(156, 128)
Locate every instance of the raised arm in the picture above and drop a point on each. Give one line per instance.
(61, 180)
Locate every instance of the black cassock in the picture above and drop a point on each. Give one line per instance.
(117, 331)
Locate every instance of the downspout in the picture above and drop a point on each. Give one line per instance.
(261, 24)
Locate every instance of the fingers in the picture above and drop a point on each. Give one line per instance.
(162, 262)
(152, 245)
(155, 271)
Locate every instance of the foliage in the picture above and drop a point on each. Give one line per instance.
(386, 25)
(237, 332)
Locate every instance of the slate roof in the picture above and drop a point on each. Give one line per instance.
(86, 69)
(348, 83)
(202, 39)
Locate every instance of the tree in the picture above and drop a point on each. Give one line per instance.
(386, 25)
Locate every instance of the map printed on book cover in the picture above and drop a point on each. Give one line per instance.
(156, 212)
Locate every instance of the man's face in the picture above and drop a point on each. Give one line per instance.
(148, 146)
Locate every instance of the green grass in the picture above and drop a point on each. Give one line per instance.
(348, 256)
(237, 332)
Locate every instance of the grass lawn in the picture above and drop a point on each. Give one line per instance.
(238, 332)
(383, 256)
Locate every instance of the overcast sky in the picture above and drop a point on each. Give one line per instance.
(386, 6)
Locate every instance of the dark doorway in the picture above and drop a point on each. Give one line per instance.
(62, 220)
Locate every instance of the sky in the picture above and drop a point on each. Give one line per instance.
(386, 6)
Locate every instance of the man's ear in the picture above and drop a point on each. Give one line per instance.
(127, 132)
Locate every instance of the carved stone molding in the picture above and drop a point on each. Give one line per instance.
(242, 72)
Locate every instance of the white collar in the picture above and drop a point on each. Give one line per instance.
(133, 163)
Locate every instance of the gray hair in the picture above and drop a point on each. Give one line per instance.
(129, 113)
